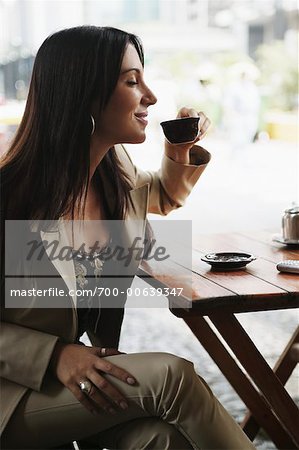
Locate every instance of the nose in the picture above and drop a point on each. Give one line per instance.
(149, 97)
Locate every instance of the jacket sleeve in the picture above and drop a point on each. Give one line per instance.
(172, 183)
(25, 354)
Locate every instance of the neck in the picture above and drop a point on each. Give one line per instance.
(98, 150)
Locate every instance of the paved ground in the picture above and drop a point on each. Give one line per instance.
(247, 190)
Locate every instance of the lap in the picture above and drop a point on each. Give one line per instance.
(142, 433)
(54, 416)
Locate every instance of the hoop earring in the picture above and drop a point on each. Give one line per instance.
(93, 125)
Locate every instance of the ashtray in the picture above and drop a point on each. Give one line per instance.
(228, 260)
(182, 130)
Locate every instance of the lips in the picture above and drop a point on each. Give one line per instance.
(142, 117)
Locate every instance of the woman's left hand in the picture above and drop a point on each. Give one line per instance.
(180, 152)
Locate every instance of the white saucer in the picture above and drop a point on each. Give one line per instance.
(281, 240)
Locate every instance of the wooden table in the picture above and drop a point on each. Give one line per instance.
(216, 296)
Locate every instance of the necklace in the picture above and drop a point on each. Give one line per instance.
(94, 260)
(81, 270)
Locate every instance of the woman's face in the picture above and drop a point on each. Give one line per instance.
(124, 118)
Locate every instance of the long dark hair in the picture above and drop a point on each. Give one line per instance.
(46, 168)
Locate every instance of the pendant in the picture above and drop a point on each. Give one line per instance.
(80, 272)
(98, 264)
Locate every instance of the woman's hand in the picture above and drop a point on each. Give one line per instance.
(73, 363)
(180, 152)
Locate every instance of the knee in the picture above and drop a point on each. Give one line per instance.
(167, 375)
(174, 366)
(174, 380)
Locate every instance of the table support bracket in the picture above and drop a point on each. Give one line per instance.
(240, 382)
(259, 370)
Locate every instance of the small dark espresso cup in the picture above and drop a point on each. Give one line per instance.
(181, 131)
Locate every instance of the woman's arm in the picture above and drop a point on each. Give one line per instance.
(25, 354)
(182, 166)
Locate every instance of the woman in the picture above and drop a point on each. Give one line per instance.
(88, 96)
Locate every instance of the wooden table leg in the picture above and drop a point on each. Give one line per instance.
(260, 372)
(240, 382)
(283, 370)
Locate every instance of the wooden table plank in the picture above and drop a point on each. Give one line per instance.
(172, 275)
(267, 271)
(261, 269)
(268, 255)
(236, 291)
(169, 275)
(266, 237)
(237, 242)
(240, 281)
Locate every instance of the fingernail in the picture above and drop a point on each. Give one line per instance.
(123, 405)
(131, 380)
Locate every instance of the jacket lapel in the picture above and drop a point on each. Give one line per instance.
(64, 266)
(131, 228)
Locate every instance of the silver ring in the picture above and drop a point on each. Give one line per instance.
(85, 386)
(103, 351)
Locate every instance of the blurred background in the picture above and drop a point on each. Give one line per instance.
(236, 60)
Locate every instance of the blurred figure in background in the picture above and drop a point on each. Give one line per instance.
(241, 108)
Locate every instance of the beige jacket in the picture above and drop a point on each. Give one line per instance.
(28, 335)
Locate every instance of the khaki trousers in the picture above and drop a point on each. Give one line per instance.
(171, 407)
